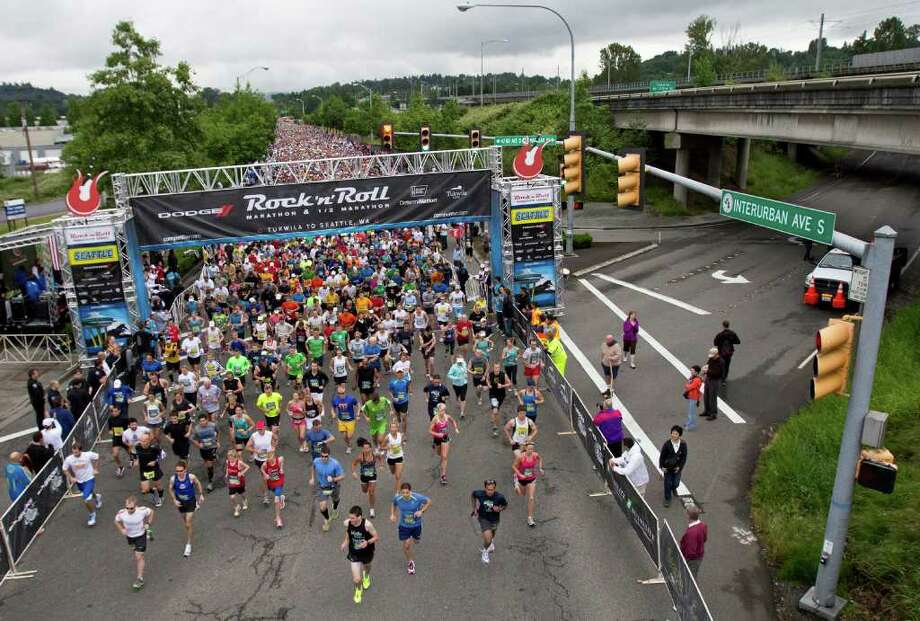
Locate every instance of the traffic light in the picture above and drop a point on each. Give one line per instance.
(424, 135)
(386, 136)
(573, 170)
(475, 138)
(631, 179)
(834, 344)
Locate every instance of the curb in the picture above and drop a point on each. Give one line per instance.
(690, 225)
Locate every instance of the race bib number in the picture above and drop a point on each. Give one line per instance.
(149, 475)
(233, 481)
(409, 519)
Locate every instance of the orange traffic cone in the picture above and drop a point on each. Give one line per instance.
(839, 300)
(811, 296)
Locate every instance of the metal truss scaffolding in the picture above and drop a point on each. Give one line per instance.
(128, 186)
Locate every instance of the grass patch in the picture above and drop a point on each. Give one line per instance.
(773, 175)
(795, 477)
(833, 154)
(50, 186)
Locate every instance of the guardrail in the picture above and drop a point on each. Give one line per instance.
(28, 514)
(36, 348)
(655, 535)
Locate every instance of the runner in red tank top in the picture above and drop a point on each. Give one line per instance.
(525, 469)
(235, 475)
(273, 473)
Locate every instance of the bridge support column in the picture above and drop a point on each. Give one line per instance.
(742, 160)
(714, 165)
(792, 150)
(682, 168)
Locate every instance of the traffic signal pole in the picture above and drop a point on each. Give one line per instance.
(822, 598)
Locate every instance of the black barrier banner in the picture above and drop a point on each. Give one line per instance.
(28, 513)
(584, 427)
(311, 208)
(683, 588)
(85, 431)
(557, 384)
(5, 565)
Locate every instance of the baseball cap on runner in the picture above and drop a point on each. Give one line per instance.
(260, 424)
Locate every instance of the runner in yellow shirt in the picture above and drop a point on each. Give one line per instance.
(269, 403)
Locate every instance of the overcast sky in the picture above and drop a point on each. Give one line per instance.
(315, 42)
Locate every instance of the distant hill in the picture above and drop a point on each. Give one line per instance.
(33, 96)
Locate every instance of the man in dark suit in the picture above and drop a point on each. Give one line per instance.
(725, 342)
(671, 460)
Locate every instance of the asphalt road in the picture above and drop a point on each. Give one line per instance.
(766, 384)
(580, 562)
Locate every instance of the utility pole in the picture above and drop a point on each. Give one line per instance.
(822, 599)
(608, 72)
(820, 41)
(689, 64)
(25, 129)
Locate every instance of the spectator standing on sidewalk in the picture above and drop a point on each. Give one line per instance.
(36, 396)
(630, 338)
(37, 453)
(611, 358)
(671, 460)
(713, 372)
(693, 541)
(17, 479)
(692, 396)
(725, 342)
(632, 465)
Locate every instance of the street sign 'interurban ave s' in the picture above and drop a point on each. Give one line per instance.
(803, 222)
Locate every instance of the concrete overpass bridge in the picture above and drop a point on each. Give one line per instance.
(873, 112)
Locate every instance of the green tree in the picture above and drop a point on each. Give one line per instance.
(332, 112)
(238, 128)
(140, 115)
(704, 72)
(12, 115)
(890, 34)
(620, 62)
(699, 34)
(47, 116)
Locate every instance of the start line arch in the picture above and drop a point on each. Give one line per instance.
(302, 199)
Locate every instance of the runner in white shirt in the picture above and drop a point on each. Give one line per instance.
(214, 337)
(340, 369)
(131, 436)
(188, 379)
(81, 468)
(191, 345)
(442, 312)
(134, 523)
(457, 301)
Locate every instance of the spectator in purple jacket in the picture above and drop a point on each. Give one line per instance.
(609, 422)
(630, 337)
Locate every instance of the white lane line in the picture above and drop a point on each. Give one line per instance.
(653, 294)
(911, 260)
(638, 434)
(18, 434)
(865, 161)
(726, 409)
(813, 353)
(622, 257)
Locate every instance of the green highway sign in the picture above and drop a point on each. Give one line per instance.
(803, 222)
(516, 141)
(660, 86)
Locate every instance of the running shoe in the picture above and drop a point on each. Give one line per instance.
(282, 501)
(188, 550)
(348, 450)
(265, 500)
(443, 479)
(410, 567)
(210, 487)
(92, 519)
(159, 502)
(98, 501)
(373, 514)
(325, 526)
(138, 584)
(120, 472)
(494, 432)
(366, 582)
(485, 557)
(530, 522)
(245, 505)
(359, 593)
(236, 511)
(491, 547)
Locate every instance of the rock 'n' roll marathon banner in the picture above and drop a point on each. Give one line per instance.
(310, 208)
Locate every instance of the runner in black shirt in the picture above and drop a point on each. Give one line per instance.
(148, 454)
(177, 433)
(315, 380)
(233, 385)
(437, 393)
(365, 379)
(487, 507)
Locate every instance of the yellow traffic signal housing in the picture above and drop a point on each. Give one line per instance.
(573, 167)
(832, 363)
(386, 136)
(630, 179)
(425, 137)
(475, 138)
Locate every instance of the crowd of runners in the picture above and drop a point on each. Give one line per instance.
(297, 354)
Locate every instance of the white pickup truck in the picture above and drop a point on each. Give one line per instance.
(836, 267)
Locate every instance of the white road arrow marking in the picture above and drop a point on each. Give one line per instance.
(729, 280)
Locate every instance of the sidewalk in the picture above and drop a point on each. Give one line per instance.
(17, 412)
(606, 216)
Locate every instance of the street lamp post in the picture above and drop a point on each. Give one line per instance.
(482, 48)
(569, 249)
(370, 95)
(303, 108)
(243, 75)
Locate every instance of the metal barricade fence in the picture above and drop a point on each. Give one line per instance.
(32, 509)
(661, 547)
